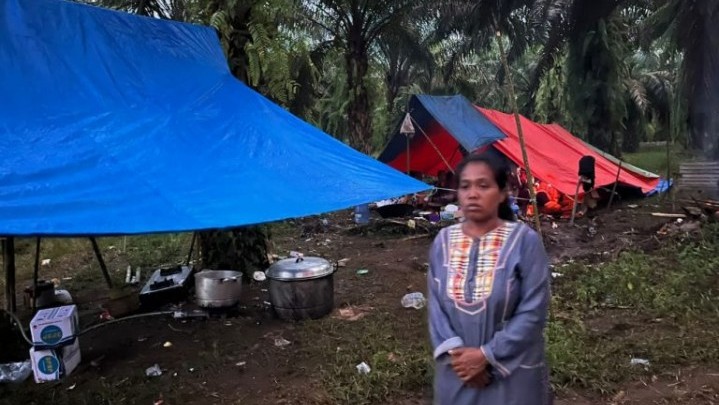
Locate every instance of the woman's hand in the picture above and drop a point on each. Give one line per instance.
(481, 380)
(469, 363)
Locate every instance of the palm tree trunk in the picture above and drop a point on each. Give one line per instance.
(703, 81)
(703, 107)
(242, 249)
(358, 109)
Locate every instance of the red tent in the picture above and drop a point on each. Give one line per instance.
(554, 154)
(448, 127)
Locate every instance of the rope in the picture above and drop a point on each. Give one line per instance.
(126, 318)
(91, 328)
(19, 325)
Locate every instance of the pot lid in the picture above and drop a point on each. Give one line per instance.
(300, 269)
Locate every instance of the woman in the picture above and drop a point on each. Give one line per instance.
(488, 297)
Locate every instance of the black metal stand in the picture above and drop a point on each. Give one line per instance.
(8, 245)
(103, 267)
(35, 274)
(192, 245)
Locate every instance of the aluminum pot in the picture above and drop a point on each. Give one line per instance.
(218, 288)
(302, 288)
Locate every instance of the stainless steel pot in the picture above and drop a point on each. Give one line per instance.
(218, 288)
(302, 288)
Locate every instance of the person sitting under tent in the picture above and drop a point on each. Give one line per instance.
(446, 190)
(550, 201)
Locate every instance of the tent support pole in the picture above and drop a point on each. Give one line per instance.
(407, 136)
(36, 272)
(8, 245)
(614, 188)
(192, 246)
(513, 100)
(100, 260)
(574, 203)
(436, 149)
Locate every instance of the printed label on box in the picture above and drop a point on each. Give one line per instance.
(48, 365)
(51, 334)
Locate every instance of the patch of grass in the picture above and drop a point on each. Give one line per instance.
(398, 358)
(665, 308)
(151, 251)
(654, 159)
(76, 254)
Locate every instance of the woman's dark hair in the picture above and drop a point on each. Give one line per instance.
(500, 168)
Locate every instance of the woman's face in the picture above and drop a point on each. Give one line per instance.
(478, 193)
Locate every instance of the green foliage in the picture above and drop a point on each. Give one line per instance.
(661, 306)
(259, 47)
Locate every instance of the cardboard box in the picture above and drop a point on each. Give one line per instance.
(54, 326)
(54, 364)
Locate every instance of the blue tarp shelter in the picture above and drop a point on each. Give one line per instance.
(112, 123)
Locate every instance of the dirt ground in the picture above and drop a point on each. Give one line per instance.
(239, 359)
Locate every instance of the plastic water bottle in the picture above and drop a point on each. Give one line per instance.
(414, 300)
(362, 214)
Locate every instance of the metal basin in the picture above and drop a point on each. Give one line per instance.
(218, 288)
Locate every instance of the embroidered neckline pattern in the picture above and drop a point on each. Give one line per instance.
(460, 251)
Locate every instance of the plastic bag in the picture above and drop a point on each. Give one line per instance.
(414, 300)
(15, 372)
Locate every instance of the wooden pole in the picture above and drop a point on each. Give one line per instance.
(436, 149)
(513, 100)
(35, 274)
(103, 267)
(574, 203)
(670, 193)
(614, 188)
(407, 136)
(9, 264)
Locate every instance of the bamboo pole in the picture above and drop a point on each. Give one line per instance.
(513, 100)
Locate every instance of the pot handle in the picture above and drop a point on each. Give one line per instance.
(228, 279)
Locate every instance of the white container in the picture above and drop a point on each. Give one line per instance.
(54, 326)
(54, 364)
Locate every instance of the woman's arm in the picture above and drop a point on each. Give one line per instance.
(443, 337)
(505, 350)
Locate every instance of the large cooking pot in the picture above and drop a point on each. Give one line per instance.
(218, 288)
(302, 288)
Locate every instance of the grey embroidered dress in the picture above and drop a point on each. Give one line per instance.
(490, 293)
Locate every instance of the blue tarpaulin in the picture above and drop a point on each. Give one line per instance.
(117, 124)
(461, 119)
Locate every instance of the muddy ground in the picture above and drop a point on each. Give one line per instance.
(239, 358)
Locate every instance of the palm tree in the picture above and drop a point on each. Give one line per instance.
(406, 58)
(179, 10)
(355, 26)
(592, 38)
(650, 97)
(691, 26)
